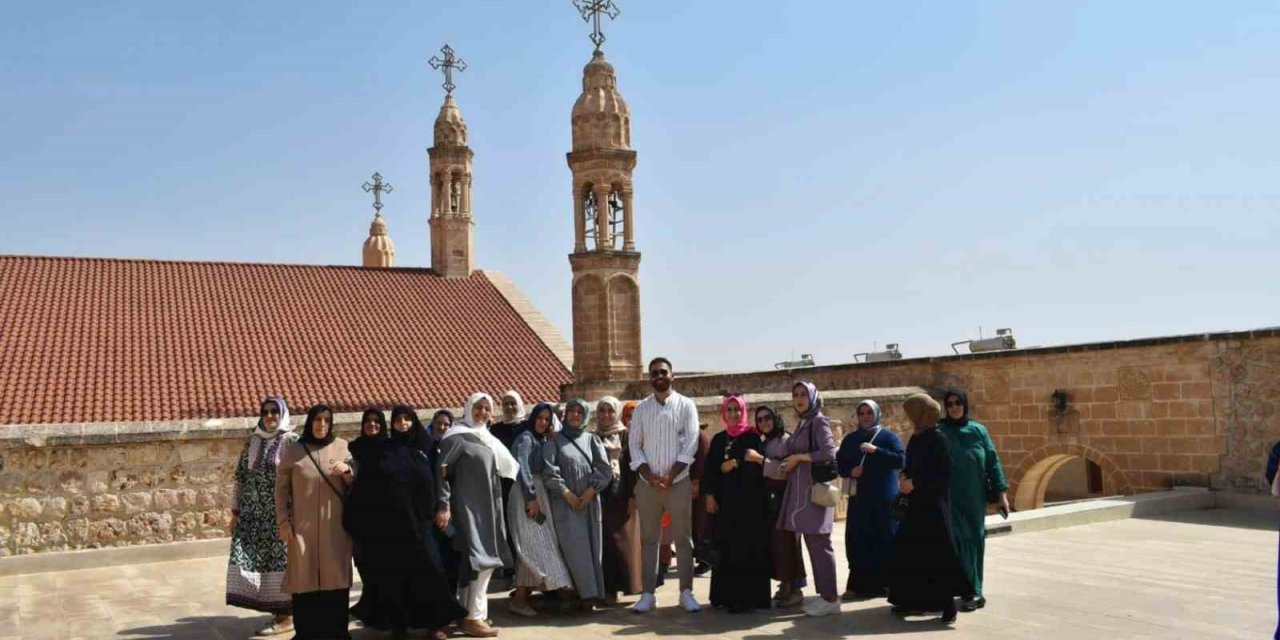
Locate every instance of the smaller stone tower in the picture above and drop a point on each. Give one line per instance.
(452, 242)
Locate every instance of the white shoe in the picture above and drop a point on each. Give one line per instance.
(688, 602)
(646, 603)
(819, 607)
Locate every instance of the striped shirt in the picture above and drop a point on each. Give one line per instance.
(663, 434)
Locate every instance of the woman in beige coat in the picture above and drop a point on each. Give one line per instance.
(311, 484)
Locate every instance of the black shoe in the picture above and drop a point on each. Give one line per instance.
(701, 569)
(948, 617)
(969, 603)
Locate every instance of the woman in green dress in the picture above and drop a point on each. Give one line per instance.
(977, 479)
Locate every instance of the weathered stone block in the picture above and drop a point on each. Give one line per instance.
(106, 503)
(54, 508)
(107, 532)
(39, 482)
(97, 481)
(26, 509)
(79, 505)
(136, 502)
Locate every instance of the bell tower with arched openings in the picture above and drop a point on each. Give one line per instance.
(606, 291)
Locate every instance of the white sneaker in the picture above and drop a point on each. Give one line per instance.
(646, 603)
(819, 607)
(688, 602)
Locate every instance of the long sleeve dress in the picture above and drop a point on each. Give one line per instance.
(390, 514)
(576, 463)
(258, 558)
(925, 573)
(539, 564)
(869, 529)
(975, 474)
(742, 529)
(471, 490)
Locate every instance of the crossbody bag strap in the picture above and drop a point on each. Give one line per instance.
(324, 475)
(872, 440)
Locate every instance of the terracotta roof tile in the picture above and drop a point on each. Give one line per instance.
(92, 340)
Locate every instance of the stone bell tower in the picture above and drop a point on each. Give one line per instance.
(452, 244)
(606, 291)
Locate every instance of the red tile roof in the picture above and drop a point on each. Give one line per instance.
(104, 340)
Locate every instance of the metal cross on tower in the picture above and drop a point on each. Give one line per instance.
(378, 187)
(592, 10)
(448, 63)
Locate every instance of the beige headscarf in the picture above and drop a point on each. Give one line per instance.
(611, 437)
(923, 410)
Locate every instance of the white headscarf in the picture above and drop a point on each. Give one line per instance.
(520, 413)
(502, 459)
(262, 437)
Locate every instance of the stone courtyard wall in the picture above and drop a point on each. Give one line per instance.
(88, 486)
(1195, 410)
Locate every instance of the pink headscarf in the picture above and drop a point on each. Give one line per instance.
(744, 421)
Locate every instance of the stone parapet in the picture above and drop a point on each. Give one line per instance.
(84, 486)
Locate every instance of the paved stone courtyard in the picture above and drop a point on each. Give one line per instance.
(1203, 574)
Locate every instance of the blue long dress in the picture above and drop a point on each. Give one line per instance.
(869, 528)
(1273, 462)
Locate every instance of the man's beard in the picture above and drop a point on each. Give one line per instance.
(661, 385)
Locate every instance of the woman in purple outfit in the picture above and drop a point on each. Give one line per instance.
(811, 442)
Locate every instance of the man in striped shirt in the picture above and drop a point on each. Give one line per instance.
(663, 441)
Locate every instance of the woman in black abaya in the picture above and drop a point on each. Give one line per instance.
(390, 514)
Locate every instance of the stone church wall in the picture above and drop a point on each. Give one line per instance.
(1196, 410)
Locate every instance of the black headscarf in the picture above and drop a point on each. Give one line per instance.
(367, 446)
(416, 437)
(964, 402)
(308, 436)
(779, 427)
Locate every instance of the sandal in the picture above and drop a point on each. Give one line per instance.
(522, 609)
(274, 629)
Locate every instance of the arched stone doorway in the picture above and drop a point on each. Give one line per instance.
(1035, 475)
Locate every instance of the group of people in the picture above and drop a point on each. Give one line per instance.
(581, 502)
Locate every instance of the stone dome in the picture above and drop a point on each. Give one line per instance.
(601, 119)
(450, 129)
(379, 251)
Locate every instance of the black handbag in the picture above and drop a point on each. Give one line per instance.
(821, 471)
(709, 553)
(899, 507)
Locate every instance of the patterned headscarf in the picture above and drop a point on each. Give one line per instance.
(617, 426)
(815, 401)
(743, 425)
(269, 439)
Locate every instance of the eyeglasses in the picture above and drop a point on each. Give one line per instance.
(270, 412)
(954, 403)
(660, 373)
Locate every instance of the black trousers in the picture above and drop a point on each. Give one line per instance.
(321, 615)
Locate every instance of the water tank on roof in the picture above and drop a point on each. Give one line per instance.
(1002, 341)
(806, 360)
(890, 352)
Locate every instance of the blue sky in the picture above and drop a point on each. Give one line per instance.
(814, 177)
